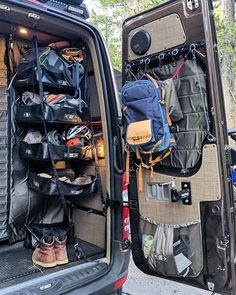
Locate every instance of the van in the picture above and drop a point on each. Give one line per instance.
(68, 215)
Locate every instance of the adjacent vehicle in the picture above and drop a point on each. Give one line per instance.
(77, 181)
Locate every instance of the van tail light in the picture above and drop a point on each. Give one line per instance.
(35, 2)
(126, 218)
(120, 282)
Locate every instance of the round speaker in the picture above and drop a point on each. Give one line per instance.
(140, 42)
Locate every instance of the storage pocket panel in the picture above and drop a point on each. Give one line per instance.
(172, 250)
(40, 151)
(52, 113)
(48, 186)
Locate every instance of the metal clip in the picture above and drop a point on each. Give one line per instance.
(34, 16)
(147, 62)
(173, 54)
(160, 58)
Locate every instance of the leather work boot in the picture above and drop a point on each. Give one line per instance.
(60, 250)
(44, 254)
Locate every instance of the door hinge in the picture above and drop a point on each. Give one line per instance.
(125, 245)
(133, 205)
(192, 4)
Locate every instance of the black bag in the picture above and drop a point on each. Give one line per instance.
(57, 72)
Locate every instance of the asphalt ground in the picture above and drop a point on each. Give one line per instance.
(140, 284)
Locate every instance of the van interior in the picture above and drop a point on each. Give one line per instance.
(61, 133)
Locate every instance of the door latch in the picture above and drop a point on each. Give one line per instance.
(192, 4)
(184, 195)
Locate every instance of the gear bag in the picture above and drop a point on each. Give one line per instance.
(148, 124)
(57, 72)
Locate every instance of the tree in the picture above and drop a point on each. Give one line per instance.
(109, 17)
(228, 59)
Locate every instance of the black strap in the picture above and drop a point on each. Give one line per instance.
(41, 94)
(97, 171)
(98, 175)
(9, 58)
(86, 74)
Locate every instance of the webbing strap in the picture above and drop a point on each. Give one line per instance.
(152, 163)
(176, 73)
(163, 93)
(127, 166)
(140, 178)
(201, 92)
(166, 109)
(154, 81)
(41, 94)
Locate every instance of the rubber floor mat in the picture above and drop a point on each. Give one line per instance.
(17, 263)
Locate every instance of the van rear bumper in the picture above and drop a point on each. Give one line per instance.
(87, 279)
(105, 284)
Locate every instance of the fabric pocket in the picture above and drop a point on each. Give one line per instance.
(40, 152)
(49, 186)
(139, 133)
(52, 113)
(173, 250)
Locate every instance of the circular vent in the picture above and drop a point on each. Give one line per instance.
(140, 42)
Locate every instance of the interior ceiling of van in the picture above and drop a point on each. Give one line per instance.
(26, 33)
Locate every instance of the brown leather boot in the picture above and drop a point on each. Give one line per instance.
(44, 254)
(60, 250)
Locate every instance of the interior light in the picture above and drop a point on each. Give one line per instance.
(23, 31)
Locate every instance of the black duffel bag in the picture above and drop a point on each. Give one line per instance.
(57, 72)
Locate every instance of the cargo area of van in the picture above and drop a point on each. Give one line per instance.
(54, 164)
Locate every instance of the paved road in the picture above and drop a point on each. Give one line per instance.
(141, 284)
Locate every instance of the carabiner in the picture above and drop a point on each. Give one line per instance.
(173, 54)
(160, 58)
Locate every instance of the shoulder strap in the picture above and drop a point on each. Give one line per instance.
(41, 94)
(154, 81)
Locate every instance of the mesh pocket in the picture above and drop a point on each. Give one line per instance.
(172, 250)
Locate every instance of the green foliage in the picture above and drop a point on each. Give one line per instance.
(225, 32)
(109, 16)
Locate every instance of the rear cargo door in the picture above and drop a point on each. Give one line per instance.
(182, 221)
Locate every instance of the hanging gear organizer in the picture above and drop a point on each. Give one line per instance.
(191, 127)
(36, 108)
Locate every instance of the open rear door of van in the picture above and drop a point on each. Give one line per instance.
(182, 220)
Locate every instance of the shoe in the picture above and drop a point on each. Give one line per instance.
(60, 250)
(44, 254)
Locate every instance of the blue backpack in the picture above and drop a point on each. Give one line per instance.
(148, 123)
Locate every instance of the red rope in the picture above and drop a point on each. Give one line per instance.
(176, 73)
